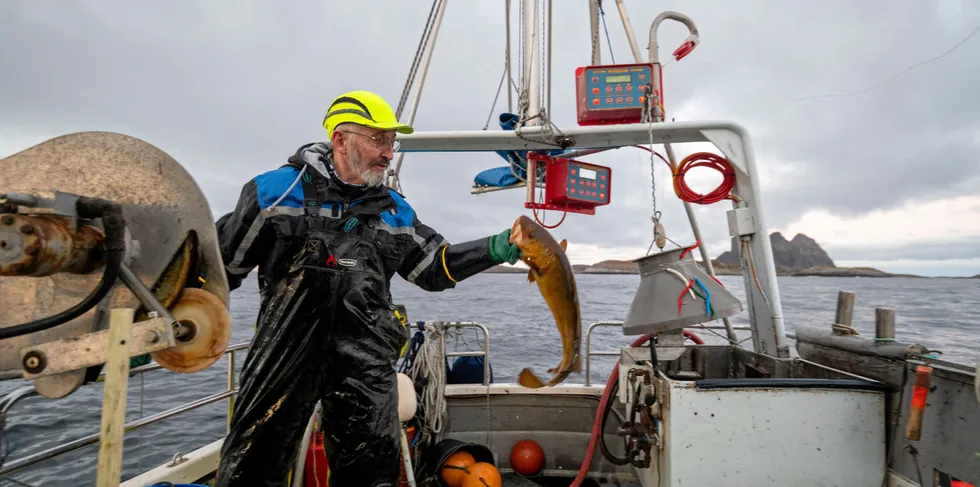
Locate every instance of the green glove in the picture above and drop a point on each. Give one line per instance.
(503, 251)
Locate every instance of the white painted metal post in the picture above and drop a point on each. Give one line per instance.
(658, 88)
(531, 68)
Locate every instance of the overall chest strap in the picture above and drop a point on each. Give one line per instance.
(314, 187)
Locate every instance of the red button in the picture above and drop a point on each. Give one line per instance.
(602, 186)
(595, 101)
(629, 99)
(602, 195)
(619, 99)
(581, 192)
(571, 191)
(602, 177)
(593, 193)
(629, 87)
(619, 88)
(595, 91)
(572, 181)
(642, 77)
(609, 100)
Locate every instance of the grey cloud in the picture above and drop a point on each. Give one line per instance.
(231, 89)
(960, 248)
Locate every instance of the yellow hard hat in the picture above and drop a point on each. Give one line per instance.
(363, 108)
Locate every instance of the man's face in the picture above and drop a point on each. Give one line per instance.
(369, 151)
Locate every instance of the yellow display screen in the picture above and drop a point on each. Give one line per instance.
(619, 78)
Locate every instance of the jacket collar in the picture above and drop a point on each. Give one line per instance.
(318, 157)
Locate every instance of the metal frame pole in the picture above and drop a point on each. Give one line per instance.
(531, 70)
(658, 90)
(629, 31)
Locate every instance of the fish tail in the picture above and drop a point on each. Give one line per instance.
(576, 362)
(529, 380)
(559, 377)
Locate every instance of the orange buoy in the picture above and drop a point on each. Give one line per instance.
(527, 458)
(455, 468)
(482, 474)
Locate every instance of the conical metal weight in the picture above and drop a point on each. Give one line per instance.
(663, 277)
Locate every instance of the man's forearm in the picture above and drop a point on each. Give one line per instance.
(464, 260)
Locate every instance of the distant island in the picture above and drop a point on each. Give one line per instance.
(801, 256)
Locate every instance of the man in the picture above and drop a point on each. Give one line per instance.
(327, 238)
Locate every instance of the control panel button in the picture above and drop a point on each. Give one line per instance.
(609, 100)
(595, 79)
(619, 99)
(608, 89)
(595, 101)
(619, 88)
(629, 88)
(595, 91)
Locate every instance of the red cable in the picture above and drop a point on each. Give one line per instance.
(535, 212)
(680, 299)
(704, 159)
(688, 249)
(597, 424)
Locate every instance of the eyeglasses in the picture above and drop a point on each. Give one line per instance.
(379, 142)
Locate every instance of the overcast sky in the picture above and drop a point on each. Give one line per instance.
(887, 178)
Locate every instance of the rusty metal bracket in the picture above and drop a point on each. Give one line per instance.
(92, 349)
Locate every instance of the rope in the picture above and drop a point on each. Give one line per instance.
(602, 15)
(430, 363)
(413, 70)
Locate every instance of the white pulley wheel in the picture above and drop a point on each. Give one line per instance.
(209, 323)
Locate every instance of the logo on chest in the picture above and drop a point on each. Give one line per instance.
(333, 261)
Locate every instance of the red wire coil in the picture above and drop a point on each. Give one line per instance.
(709, 160)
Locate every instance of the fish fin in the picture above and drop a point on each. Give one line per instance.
(529, 380)
(563, 244)
(531, 275)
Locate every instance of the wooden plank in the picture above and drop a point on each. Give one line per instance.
(114, 398)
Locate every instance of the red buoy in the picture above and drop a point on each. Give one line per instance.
(527, 458)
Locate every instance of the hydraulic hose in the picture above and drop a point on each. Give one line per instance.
(611, 384)
(115, 247)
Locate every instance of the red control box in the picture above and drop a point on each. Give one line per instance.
(572, 185)
(611, 94)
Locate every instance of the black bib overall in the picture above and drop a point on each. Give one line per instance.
(327, 333)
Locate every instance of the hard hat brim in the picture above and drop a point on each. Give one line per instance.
(396, 126)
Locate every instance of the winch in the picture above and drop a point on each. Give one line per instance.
(95, 222)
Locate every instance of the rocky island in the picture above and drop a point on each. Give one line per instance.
(801, 256)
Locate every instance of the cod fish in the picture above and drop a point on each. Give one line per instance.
(552, 272)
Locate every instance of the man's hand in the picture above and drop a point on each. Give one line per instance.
(503, 251)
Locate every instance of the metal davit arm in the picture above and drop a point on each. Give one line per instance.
(745, 221)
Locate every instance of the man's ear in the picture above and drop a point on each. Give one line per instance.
(339, 141)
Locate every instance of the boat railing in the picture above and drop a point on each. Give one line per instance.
(77, 444)
(485, 353)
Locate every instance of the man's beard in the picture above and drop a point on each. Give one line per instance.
(364, 170)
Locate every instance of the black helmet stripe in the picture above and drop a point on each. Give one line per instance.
(354, 101)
